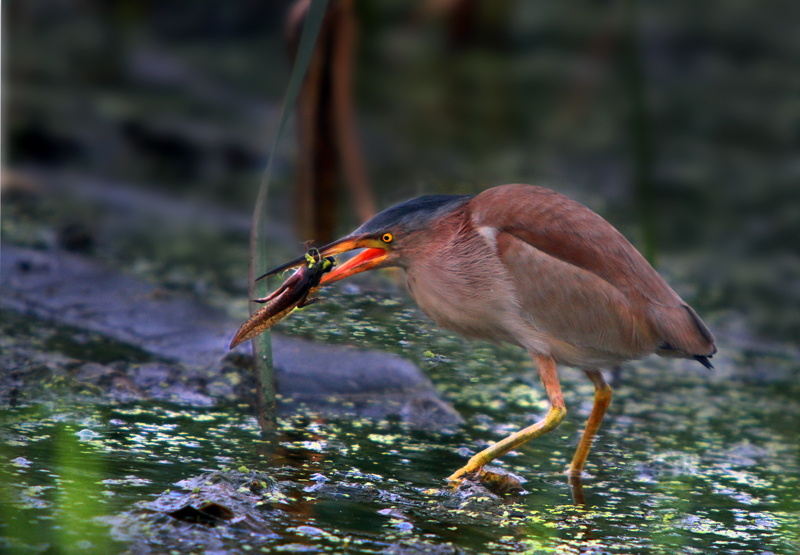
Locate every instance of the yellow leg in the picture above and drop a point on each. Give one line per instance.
(602, 398)
(548, 373)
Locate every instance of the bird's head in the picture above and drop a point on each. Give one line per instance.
(388, 239)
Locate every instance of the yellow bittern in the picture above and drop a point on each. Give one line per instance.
(525, 265)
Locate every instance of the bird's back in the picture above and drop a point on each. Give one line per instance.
(582, 281)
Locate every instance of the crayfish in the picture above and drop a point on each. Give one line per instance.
(292, 294)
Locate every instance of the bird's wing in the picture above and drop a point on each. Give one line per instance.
(581, 278)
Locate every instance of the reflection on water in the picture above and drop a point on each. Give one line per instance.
(687, 461)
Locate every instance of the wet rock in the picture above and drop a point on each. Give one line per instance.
(206, 513)
(420, 547)
(189, 341)
(124, 389)
(154, 375)
(428, 412)
(472, 496)
(168, 382)
(349, 381)
(218, 510)
(236, 492)
(500, 481)
(97, 374)
(77, 291)
(394, 513)
(309, 531)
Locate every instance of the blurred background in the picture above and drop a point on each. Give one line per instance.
(137, 130)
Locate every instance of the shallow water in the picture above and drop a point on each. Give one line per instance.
(687, 461)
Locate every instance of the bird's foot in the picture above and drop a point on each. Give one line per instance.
(472, 470)
(474, 466)
(460, 475)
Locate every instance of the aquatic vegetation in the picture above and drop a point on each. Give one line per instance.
(688, 462)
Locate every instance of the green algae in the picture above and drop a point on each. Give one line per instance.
(686, 462)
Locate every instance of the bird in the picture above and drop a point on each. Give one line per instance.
(528, 266)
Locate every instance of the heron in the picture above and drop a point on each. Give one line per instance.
(525, 265)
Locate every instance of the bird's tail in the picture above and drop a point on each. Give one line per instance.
(683, 334)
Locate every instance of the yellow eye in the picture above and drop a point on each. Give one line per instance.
(387, 237)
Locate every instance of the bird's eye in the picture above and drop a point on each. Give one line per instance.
(387, 237)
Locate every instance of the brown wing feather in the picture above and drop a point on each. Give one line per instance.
(588, 321)
(571, 233)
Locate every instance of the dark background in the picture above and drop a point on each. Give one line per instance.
(679, 117)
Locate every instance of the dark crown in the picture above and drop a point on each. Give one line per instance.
(412, 213)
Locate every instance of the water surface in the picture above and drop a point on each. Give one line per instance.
(687, 461)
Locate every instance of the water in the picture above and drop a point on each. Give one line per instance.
(687, 460)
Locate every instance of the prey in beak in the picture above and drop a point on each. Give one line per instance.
(292, 294)
(374, 253)
(316, 268)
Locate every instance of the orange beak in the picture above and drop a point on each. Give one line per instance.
(372, 256)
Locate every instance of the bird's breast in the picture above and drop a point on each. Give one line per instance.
(465, 289)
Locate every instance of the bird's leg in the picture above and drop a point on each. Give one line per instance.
(547, 371)
(602, 398)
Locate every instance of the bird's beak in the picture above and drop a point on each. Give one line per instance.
(373, 254)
